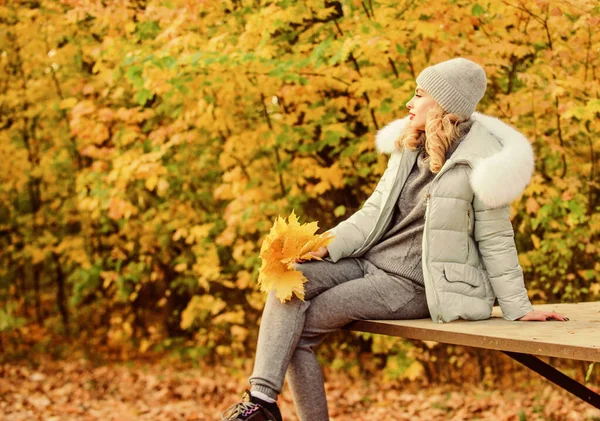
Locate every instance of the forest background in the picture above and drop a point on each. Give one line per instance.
(147, 146)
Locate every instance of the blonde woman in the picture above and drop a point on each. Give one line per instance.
(433, 240)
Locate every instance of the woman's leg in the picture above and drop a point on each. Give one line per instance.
(354, 300)
(282, 323)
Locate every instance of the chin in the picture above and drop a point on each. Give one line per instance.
(417, 126)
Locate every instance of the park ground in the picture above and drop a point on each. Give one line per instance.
(79, 389)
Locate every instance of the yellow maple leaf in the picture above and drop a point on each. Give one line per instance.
(285, 243)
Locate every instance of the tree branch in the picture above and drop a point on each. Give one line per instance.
(277, 157)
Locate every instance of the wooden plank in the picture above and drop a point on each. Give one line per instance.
(578, 338)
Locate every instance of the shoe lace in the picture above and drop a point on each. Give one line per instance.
(239, 408)
(236, 410)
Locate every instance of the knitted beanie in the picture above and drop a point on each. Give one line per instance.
(457, 85)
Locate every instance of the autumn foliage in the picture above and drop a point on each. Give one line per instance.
(147, 146)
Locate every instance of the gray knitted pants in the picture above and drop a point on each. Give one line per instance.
(335, 294)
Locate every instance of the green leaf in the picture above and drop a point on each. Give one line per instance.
(340, 210)
(7, 320)
(385, 106)
(143, 96)
(168, 61)
(589, 372)
(147, 30)
(134, 75)
(318, 54)
(332, 138)
(477, 10)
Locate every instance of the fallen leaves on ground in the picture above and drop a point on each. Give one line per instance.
(78, 390)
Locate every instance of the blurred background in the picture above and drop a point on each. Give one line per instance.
(147, 146)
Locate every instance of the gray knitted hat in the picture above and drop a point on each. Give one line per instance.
(457, 85)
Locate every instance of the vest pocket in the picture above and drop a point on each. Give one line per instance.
(459, 272)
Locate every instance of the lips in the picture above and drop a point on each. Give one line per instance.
(411, 116)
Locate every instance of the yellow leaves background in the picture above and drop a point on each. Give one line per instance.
(146, 150)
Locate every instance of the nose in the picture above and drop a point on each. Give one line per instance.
(409, 104)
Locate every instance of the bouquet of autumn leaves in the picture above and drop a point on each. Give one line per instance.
(285, 243)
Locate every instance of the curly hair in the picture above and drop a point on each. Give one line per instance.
(441, 130)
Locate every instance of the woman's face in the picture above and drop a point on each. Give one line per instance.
(418, 106)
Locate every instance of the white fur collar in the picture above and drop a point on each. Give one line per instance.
(501, 157)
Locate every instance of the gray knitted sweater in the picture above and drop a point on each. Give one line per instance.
(398, 252)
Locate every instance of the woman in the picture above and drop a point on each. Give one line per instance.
(433, 240)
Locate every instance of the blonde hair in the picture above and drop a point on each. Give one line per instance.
(442, 129)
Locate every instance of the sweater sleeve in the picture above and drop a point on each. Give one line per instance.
(495, 237)
(351, 233)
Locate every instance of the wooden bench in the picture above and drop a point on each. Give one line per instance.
(577, 339)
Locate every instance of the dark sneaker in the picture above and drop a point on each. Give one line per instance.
(252, 409)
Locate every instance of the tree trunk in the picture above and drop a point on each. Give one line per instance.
(38, 299)
(60, 294)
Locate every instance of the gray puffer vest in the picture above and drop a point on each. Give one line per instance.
(468, 252)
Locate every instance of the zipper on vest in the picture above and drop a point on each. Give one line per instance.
(437, 317)
(467, 231)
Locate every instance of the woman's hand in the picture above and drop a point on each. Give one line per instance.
(542, 316)
(321, 252)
